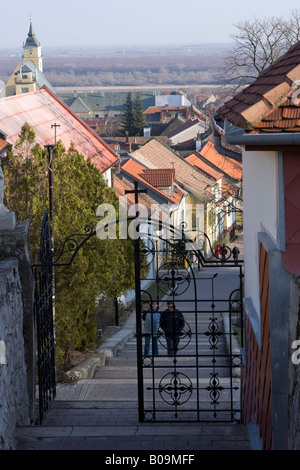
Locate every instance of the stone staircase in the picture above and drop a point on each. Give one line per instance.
(102, 414)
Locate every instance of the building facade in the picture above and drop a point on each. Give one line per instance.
(265, 120)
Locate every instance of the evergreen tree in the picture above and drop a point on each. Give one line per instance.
(139, 120)
(103, 267)
(128, 116)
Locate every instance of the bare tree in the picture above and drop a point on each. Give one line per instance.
(257, 45)
(292, 28)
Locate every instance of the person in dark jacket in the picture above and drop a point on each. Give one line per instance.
(172, 323)
(235, 253)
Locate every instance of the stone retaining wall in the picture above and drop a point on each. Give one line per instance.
(17, 357)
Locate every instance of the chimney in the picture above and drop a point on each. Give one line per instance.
(198, 142)
(127, 144)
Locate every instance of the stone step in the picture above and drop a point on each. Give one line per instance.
(127, 435)
(119, 389)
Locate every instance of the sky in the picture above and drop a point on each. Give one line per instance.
(129, 22)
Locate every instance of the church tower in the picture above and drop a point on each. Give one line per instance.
(28, 76)
(32, 49)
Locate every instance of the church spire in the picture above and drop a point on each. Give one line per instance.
(32, 49)
(31, 39)
(31, 33)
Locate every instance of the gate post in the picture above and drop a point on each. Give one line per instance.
(138, 301)
(138, 306)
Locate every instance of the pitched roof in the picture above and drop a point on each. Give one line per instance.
(188, 125)
(195, 160)
(79, 106)
(272, 90)
(159, 177)
(156, 155)
(138, 171)
(43, 108)
(285, 118)
(221, 163)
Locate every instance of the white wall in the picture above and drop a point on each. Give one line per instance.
(260, 194)
(107, 177)
(171, 100)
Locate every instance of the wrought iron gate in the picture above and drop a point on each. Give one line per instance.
(200, 379)
(43, 311)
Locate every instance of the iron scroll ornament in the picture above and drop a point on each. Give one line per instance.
(175, 388)
(73, 243)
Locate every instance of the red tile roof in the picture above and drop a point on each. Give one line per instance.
(3, 144)
(43, 108)
(228, 166)
(285, 118)
(204, 167)
(137, 171)
(160, 178)
(267, 104)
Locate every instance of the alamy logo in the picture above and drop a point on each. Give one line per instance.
(296, 354)
(137, 220)
(296, 94)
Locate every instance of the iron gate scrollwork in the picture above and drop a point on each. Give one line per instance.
(200, 381)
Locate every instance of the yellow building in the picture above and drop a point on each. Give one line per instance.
(28, 75)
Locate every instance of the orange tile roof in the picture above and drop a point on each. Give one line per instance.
(3, 144)
(226, 165)
(285, 118)
(43, 108)
(136, 170)
(272, 90)
(207, 169)
(156, 155)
